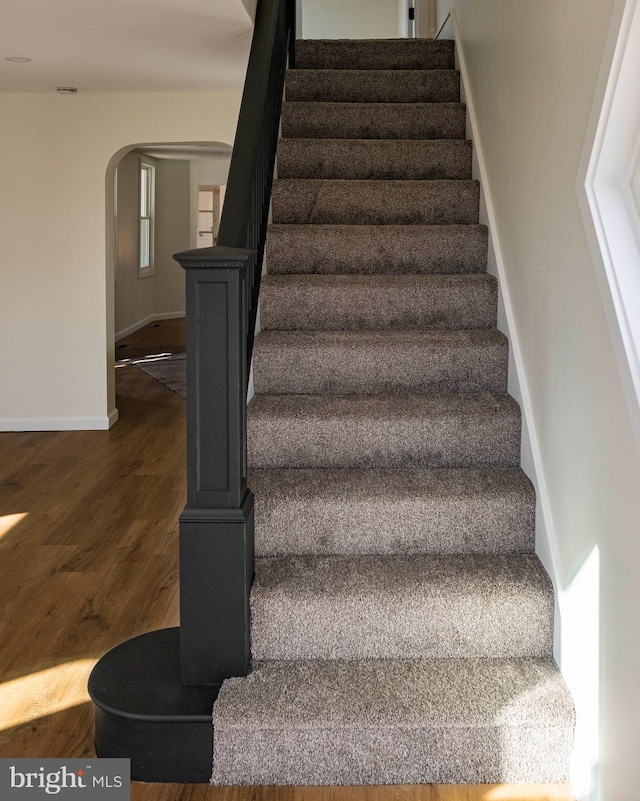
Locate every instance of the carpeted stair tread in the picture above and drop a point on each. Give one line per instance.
(366, 54)
(373, 249)
(377, 362)
(373, 86)
(359, 512)
(374, 120)
(387, 159)
(401, 607)
(391, 302)
(394, 722)
(315, 201)
(479, 430)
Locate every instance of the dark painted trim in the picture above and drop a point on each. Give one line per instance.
(217, 381)
(144, 713)
(216, 572)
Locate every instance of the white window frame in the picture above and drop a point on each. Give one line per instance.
(609, 192)
(147, 269)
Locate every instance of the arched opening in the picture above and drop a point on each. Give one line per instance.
(152, 211)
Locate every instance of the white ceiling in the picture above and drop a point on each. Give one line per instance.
(123, 45)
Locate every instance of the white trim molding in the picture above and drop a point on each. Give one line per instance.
(532, 463)
(608, 188)
(59, 423)
(575, 652)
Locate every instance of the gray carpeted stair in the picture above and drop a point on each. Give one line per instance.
(477, 430)
(411, 607)
(369, 362)
(374, 120)
(349, 512)
(394, 722)
(374, 86)
(367, 249)
(391, 302)
(375, 54)
(402, 625)
(314, 201)
(390, 159)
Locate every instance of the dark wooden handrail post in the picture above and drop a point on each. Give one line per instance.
(216, 527)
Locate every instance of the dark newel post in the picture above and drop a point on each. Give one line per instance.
(216, 527)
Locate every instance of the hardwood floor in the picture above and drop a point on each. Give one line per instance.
(89, 558)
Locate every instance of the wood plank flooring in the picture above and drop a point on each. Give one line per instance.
(89, 558)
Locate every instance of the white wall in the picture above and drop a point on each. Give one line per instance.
(350, 19)
(56, 305)
(533, 74)
(442, 9)
(173, 234)
(250, 5)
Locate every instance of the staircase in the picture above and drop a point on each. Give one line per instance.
(401, 624)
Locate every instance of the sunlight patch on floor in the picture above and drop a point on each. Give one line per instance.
(7, 522)
(151, 357)
(44, 693)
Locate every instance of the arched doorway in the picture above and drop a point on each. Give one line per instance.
(152, 212)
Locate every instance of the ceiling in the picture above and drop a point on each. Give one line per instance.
(123, 45)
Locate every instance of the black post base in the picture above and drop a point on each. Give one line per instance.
(143, 712)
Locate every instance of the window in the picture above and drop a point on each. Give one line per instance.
(147, 209)
(609, 193)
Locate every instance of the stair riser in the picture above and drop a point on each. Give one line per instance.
(364, 86)
(391, 608)
(374, 250)
(375, 202)
(314, 368)
(374, 159)
(473, 436)
(496, 755)
(374, 121)
(390, 304)
(386, 54)
(343, 513)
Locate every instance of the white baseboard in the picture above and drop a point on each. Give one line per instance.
(152, 318)
(131, 329)
(58, 423)
(175, 315)
(532, 463)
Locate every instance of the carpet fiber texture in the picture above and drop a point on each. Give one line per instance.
(394, 722)
(401, 623)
